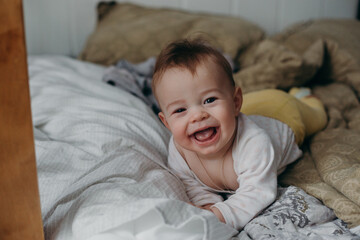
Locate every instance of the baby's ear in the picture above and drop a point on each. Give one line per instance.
(163, 119)
(238, 99)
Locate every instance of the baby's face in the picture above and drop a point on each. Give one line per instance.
(200, 110)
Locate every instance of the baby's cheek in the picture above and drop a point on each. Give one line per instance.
(179, 133)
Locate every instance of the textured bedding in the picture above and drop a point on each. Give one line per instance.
(102, 173)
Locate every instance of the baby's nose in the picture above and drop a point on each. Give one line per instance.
(199, 116)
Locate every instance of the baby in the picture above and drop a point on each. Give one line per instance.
(215, 149)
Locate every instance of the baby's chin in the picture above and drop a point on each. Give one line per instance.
(205, 152)
(209, 152)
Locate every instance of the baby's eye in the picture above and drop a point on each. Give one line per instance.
(210, 100)
(179, 110)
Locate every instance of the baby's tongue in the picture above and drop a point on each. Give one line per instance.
(204, 134)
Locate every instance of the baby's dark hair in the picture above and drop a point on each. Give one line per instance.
(188, 54)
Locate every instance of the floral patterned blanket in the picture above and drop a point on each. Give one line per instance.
(296, 215)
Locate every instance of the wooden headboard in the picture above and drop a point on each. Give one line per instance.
(20, 216)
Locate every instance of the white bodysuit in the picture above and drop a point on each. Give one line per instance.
(261, 150)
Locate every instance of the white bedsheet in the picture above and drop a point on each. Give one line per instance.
(100, 155)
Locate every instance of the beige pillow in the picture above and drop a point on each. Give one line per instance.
(294, 56)
(345, 32)
(341, 39)
(135, 33)
(269, 64)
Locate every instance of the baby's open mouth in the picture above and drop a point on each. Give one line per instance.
(206, 134)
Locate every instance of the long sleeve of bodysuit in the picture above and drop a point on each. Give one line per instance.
(257, 157)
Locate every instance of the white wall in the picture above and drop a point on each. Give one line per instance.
(62, 26)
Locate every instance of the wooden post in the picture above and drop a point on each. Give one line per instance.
(20, 214)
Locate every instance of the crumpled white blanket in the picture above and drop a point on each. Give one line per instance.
(101, 161)
(102, 174)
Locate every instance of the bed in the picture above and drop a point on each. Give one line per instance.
(101, 150)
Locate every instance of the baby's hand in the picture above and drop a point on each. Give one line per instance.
(214, 210)
(218, 214)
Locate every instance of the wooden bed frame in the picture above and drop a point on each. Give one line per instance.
(20, 213)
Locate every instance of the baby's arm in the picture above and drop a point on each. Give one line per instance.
(218, 214)
(198, 194)
(257, 180)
